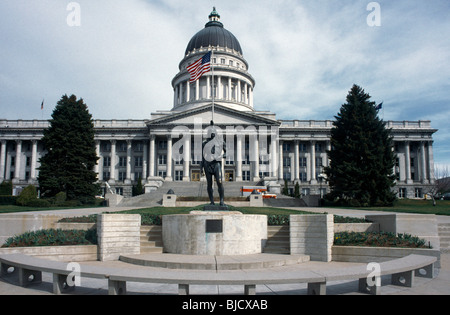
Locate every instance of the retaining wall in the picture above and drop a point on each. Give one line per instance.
(118, 234)
(312, 235)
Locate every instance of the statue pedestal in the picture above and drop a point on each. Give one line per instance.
(214, 233)
(215, 208)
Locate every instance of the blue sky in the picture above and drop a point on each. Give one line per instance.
(304, 55)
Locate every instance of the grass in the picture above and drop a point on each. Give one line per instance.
(415, 206)
(19, 209)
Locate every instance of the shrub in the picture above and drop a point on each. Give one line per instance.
(52, 237)
(8, 200)
(27, 195)
(6, 188)
(378, 239)
(278, 219)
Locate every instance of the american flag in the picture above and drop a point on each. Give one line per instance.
(198, 68)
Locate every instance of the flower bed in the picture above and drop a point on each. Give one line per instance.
(379, 239)
(52, 237)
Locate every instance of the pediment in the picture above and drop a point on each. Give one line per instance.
(222, 116)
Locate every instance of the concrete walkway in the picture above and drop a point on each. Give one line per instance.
(439, 285)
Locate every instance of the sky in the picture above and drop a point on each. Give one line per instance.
(120, 56)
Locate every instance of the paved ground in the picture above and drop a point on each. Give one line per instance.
(439, 285)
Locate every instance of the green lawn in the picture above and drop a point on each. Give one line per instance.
(416, 206)
(186, 210)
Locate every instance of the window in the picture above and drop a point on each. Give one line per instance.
(122, 147)
(106, 175)
(402, 192)
(139, 147)
(319, 162)
(303, 177)
(162, 144)
(246, 160)
(303, 147)
(122, 176)
(122, 161)
(286, 161)
(418, 193)
(138, 161)
(162, 159)
(106, 161)
(119, 191)
(286, 147)
(106, 147)
(162, 174)
(305, 191)
(303, 161)
(222, 61)
(178, 176)
(246, 176)
(287, 176)
(137, 175)
(231, 63)
(318, 147)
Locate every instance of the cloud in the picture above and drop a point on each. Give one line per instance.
(304, 55)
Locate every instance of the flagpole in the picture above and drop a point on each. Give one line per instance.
(212, 83)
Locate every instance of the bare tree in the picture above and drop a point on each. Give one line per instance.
(441, 184)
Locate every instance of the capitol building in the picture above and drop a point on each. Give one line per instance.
(261, 149)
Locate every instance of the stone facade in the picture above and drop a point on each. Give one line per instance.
(165, 147)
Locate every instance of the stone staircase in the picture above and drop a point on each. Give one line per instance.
(151, 239)
(278, 240)
(444, 237)
(181, 189)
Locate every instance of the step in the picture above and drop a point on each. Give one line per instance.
(148, 250)
(211, 262)
(276, 250)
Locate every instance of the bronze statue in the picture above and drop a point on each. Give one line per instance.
(211, 165)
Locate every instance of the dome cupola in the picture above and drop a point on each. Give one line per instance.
(228, 82)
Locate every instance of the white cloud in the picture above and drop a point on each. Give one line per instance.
(304, 55)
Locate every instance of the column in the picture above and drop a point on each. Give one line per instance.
(296, 161)
(208, 87)
(245, 93)
(186, 158)
(2, 160)
(129, 147)
(112, 168)
(408, 163)
(219, 89)
(18, 161)
(239, 158)
(175, 96)
(169, 177)
(256, 158)
(238, 92)
(152, 154)
(197, 90)
(145, 161)
(280, 161)
(328, 150)
(33, 176)
(99, 161)
(292, 168)
(423, 164)
(188, 91)
(229, 89)
(273, 155)
(313, 162)
(431, 162)
(250, 96)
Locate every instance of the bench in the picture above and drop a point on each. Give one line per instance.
(402, 270)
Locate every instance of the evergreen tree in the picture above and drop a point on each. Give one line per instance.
(68, 165)
(362, 157)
